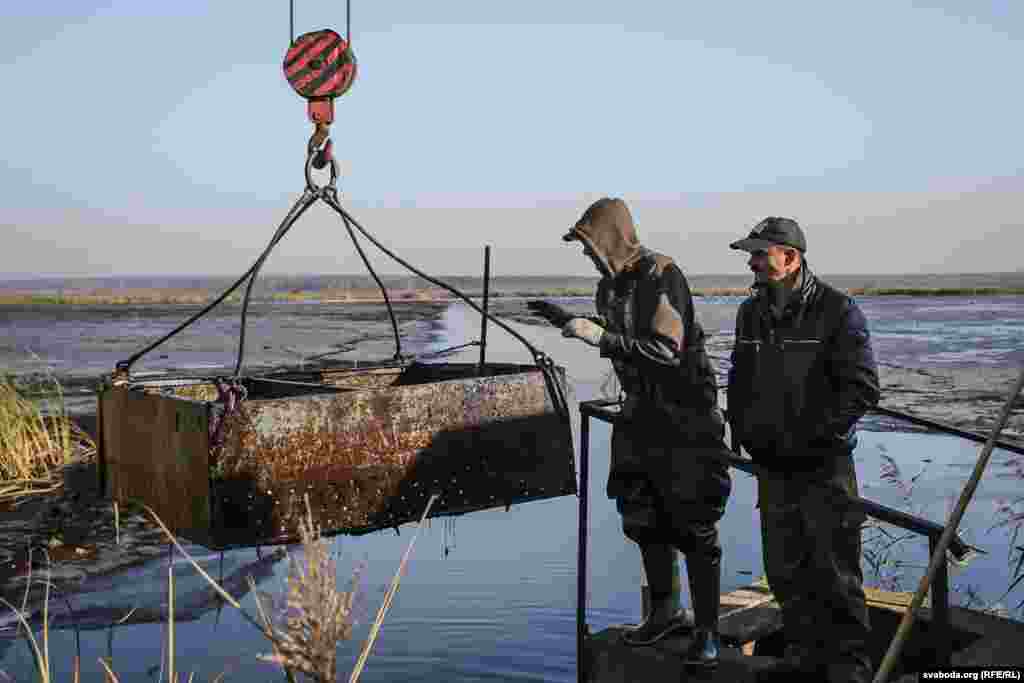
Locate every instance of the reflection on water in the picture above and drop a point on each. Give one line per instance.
(113, 612)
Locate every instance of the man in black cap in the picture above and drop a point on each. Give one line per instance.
(667, 473)
(802, 375)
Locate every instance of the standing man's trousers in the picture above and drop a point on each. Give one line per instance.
(811, 537)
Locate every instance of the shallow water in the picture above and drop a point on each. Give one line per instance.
(501, 605)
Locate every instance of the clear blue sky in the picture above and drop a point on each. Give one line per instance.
(144, 137)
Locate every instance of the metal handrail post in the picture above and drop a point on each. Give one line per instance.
(483, 318)
(940, 607)
(581, 560)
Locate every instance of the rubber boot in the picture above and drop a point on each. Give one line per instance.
(665, 616)
(705, 578)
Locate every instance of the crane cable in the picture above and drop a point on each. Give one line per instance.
(291, 22)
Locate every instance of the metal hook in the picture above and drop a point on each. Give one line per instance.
(330, 184)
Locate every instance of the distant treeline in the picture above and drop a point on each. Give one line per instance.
(396, 296)
(198, 290)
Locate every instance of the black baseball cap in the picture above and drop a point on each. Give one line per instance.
(773, 231)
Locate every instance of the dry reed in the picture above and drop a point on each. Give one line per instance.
(37, 438)
(317, 615)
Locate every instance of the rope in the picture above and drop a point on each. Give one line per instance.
(291, 22)
(939, 555)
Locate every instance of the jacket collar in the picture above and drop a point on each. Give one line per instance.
(798, 298)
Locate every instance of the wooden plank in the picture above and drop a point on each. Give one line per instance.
(748, 613)
(609, 660)
(890, 600)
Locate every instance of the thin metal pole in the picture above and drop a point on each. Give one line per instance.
(939, 554)
(291, 22)
(940, 609)
(483, 318)
(581, 562)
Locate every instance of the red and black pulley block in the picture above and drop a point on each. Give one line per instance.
(320, 66)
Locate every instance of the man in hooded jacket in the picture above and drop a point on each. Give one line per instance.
(802, 375)
(665, 477)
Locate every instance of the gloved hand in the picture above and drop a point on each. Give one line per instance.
(581, 328)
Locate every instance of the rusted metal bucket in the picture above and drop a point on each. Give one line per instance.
(368, 447)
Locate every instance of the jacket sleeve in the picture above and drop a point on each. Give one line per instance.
(853, 374)
(732, 397)
(736, 392)
(600, 316)
(663, 336)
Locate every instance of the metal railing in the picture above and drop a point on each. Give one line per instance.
(608, 410)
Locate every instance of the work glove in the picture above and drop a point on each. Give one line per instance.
(581, 328)
(553, 313)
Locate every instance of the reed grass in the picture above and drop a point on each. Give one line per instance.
(108, 297)
(882, 543)
(318, 615)
(937, 291)
(37, 438)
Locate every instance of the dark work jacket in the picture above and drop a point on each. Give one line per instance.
(670, 388)
(667, 379)
(799, 384)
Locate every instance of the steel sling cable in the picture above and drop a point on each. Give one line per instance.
(125, 365)
(309, 196)
(383, 290)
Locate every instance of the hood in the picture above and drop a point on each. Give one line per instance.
(607, 228)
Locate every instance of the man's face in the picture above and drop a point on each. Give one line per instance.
(773, 263)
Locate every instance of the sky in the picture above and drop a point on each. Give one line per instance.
(162, 137)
